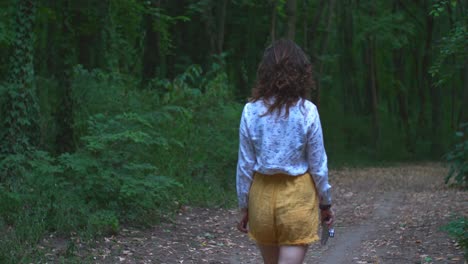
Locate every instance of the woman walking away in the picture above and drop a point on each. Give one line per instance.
(282, 174)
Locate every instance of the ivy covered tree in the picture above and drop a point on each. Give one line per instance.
(21, 129)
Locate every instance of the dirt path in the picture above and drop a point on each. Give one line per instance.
(384, 215)
(350, 241)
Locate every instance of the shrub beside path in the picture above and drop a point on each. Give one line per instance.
(384, 215)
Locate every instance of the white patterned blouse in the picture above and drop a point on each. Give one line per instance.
(273, 144)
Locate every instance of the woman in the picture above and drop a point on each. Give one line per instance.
(282, 174)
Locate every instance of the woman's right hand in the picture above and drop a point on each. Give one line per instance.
(244, 219)
(327, 216)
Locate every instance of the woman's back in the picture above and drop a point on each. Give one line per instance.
(280, 141)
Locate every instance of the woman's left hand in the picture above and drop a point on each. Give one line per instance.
(327, 216)
(242, 225)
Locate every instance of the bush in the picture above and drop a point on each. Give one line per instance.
(10, 205)
(458, 229)
(207, 132)
(458, 159)
(103, 223)
(140, 153)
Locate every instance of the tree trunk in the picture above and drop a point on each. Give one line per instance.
(210, 27)
(436, 117)
(372, 84)
(291, 10)
(402, 100)
(463, 114)
(346, 60)
(22, 112)
(323, 50)
(373, 91)
(64, 140)
(304, 24)
(401, 96)
(425, 83)
(315, 22)
(453, 87)
(151, 49)
(222, 20)
(149, 54)
(273, 20)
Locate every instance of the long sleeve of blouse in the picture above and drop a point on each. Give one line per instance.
(270, 145)
(245, 165)
(317, 160)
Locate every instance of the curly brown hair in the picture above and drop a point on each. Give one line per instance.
(285, 75)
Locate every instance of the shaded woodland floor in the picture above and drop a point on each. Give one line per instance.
(384, 215)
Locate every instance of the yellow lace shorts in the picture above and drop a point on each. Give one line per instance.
(283, 210)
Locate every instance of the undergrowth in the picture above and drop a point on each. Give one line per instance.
(140, 154)
(458, 160)
(458, 229)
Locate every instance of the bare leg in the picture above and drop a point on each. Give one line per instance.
(292, 254)
(269, 253)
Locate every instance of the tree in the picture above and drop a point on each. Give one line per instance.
(399, 74)
(22, 112)
(372, 78)
(64, 140)
(274, 6)
(291, 10)
(323, 47)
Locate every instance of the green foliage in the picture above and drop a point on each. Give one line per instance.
(19, 123)
(209, 150)
(6, 32)
(451, 46)
(20, 131)
(458, 159)
(10, 205)
(458, 229)
(113, 165)
(162, 24)
(389, 27)
(103, 223)
(439, 6)
(141, 153)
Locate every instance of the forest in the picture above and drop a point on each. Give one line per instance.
(116, 113)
